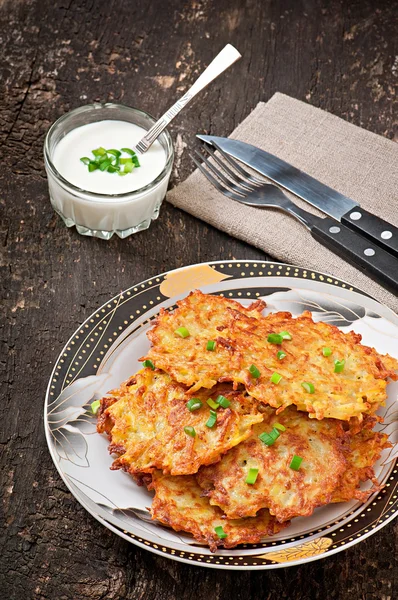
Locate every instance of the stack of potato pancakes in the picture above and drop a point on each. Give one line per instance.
(240, 422)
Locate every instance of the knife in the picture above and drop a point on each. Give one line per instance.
(323, 197)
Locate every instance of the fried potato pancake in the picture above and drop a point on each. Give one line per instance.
(287, 493)
(364, 449)
(178, 503)
(334, 463)
(145, 420)
(241, 336)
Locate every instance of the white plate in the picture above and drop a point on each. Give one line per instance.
(105, 350)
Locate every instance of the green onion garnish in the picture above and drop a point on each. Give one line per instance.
(285, 335)
(270, 438)
(212, 420)
(275, 338)
(190, 431)
(110, 161)
(280, 355)
(220, 532)
(194, 404)
(339, 365)
(212, 404)
(104, 164)
(254, 372)
(211, 345)
(182, 332)
(148, 363)
(280, 427)
(99, 151)
(275, 378)
(128, 151)
(326, 351)
(223, 401)
(114, 152)
(296, 462)
(252, 476)
(95, 406)
(309, 387)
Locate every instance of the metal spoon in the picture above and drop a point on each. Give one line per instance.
(219, 64)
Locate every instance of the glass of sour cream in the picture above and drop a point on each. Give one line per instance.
(100, 203)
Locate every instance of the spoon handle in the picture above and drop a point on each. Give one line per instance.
(219, 64)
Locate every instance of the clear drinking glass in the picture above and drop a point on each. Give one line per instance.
(102, 215)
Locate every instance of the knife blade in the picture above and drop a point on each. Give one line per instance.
(309, 189)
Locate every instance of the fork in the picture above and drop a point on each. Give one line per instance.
(229, 177)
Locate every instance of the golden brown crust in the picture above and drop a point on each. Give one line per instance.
(285, 492)
(145, 420)
(335, 462)
(241, 336)
(178, 503)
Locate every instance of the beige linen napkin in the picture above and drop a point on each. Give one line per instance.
(357, 163)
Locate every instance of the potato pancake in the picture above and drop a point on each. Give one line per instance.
(334, 463)
(178, 503)
(364, 449)
(146, 420)
(342, 378)
(285, 492)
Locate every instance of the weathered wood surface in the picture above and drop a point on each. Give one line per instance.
(56, 55)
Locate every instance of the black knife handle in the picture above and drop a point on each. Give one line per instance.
(373, 260)
(374, 228)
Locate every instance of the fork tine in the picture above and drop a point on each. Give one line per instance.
(233, 175)
(214, 181)
(237, 166)
(230, 184)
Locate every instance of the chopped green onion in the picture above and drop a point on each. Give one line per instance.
(116, 153)
(220, 532)
(122, 173)
(275, 378)
(269, 438)
(135, 160)
(280, 427)
(252, 476)
(148, 363)
(85, 160)
(223, 401)
(95, 406)
(280, 354)
(101, 159)
(212, 420)
(309, 387)
(275, 338)
(285, 335)
(124, 161)
(104, 164)
(211, 345)
(128, 151)
(254, 372)
(194, 404)
(296, 462)
(326, 351)
(190, 431)
(339, 366)
(128, 167)
(182, 332)
(113, 169)
(99, 151)
(92, 166)
(212, 404)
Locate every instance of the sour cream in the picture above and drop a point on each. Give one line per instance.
(109, 134)
(100, 203)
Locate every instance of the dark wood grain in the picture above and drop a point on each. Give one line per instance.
(56, 55)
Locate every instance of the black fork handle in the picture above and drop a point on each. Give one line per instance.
(357, 250)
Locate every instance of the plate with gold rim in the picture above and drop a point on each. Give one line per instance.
(104, 351)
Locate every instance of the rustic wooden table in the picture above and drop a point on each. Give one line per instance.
(57, 55)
